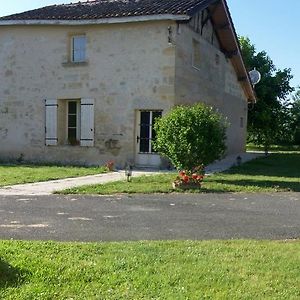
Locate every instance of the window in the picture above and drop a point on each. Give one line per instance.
(73, 121)
(196, 54)
(147, 133)
(69, 122)
(78, 48)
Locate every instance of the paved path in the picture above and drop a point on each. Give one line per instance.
(48, 187)
(150, 217)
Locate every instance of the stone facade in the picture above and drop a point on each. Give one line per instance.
(130, 67)
(212, 79)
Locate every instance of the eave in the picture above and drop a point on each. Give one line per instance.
(115, 20)
(229, 43)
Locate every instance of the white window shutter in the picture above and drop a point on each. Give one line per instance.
(51, 122)
(87, 123)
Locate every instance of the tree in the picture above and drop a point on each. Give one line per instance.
(190, 136)
(266, 119)
(295, 117)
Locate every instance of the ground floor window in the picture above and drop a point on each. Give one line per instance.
(146, 131)
(69, 122)
(73, 122)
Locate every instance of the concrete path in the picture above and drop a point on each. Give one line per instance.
(231, 160)
(150, 217)
(48, 187)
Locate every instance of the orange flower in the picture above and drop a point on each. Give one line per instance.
(186, 178)
(200, 177)
(181, 173)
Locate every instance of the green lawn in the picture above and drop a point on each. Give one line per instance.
(150, 270)
(278, 172)
(15, 174)
(273, 148)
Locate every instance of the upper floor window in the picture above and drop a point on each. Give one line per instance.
(78, 48)
(196, 58)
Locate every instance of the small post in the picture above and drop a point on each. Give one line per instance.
(128, 172)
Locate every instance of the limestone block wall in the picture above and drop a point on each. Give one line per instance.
(129, 67)
(211, 80)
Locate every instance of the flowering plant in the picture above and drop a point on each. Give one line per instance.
(110, 165)
(190, 178)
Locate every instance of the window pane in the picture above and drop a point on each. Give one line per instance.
(144, 138)
(145, 117)
(145, 132)
(72, 107)
(72, 134)
(72, 121)
(144, 145)
(155, 115)
(79, 48)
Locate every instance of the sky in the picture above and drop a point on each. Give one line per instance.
(271, 25)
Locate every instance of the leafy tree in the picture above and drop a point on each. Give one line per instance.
(190, 136)
(267, 118)
(295, 117)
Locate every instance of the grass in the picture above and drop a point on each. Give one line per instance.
(17, 174)
(273, 148)
(278, 172)
(150, 270)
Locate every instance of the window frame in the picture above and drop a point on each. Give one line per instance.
(149, 131)
(81, 49)
(78, 122)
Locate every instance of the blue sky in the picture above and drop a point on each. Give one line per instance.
(271, 25)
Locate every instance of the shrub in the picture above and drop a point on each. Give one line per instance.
(190, 136)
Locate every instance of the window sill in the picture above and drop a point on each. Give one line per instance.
(67, 146)
(75, 64)
(148, 153)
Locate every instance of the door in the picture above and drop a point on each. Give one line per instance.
(145, 134)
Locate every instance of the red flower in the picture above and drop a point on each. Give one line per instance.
(181, 173)
(186, 178)
(200, 177)
(194, 176)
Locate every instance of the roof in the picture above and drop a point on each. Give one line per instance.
(120, 11)
(98, 9)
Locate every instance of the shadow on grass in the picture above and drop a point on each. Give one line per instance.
(269, 184)
(277, 165)
(202, 190)
(10, 276)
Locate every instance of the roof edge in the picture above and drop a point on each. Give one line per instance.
(247, 85)
(96, 21)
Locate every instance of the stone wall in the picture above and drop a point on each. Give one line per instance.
(211, 79)
(129, 67)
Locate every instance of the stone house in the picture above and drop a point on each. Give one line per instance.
(82, 82)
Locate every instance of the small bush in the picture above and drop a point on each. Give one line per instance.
(190, 136)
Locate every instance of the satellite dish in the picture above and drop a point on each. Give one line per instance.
(255, 76)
